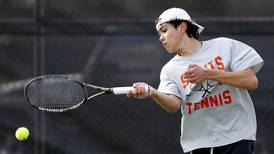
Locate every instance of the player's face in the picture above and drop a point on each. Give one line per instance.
(170, 37)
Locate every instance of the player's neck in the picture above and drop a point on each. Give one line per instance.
(189, 47)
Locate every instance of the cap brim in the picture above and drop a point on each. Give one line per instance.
(200, 28)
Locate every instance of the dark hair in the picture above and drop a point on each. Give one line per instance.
(192, 30)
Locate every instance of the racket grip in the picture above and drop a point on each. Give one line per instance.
(125, 90)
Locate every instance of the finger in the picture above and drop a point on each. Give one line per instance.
(129, 94)
(194, 80)
(144, 90)
(142, 87)
(133, 91)
(141, 92)
(138, 89)
(134, 85)
(187, 75)
(192, 75)
(192, 65)
(189, 71)
(137, 84)
(190, 79)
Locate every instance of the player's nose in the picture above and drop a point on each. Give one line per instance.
(161, 38)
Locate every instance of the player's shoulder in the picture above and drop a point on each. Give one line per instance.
(230, 42)
(170, 64)
(222, 40)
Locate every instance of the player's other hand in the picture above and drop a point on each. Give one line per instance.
(194, 74)
(140, 90)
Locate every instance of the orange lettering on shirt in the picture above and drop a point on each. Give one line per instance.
(227, 97)
(210, 64)
(220, 99)
(184, 81)
(219, 62)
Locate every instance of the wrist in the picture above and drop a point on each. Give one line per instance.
(153, 92)
(209, 73)
(206, 73)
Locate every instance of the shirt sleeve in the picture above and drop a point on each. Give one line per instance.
(167, 85)
(244, 56)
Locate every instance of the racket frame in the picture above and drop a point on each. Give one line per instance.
(83, 85)
(102, 91)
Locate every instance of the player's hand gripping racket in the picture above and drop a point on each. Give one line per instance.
(59, 93)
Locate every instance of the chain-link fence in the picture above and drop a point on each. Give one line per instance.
(112, 43)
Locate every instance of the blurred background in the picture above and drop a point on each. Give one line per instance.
(112, 43)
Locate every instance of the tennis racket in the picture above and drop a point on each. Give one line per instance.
(59, 93)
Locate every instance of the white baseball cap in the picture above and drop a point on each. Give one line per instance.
(176, 14)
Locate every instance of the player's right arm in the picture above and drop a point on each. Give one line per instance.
(169, 102)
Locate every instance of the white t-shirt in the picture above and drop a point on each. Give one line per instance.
(213, 114)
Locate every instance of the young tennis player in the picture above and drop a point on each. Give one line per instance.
(208, 82)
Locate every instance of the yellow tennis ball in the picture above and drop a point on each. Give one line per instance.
(22, 133)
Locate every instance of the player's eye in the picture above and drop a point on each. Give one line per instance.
(164, 30)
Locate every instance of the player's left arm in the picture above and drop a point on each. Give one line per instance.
(245, 79)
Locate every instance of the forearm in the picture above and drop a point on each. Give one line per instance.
(242, 79)
(170, 103)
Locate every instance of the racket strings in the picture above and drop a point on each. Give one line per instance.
(55, 93)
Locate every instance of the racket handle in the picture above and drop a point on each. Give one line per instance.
(125, 90)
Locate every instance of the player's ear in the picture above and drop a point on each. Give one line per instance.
(182, 27)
